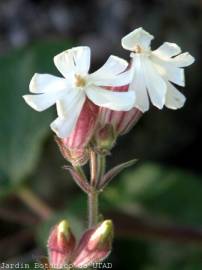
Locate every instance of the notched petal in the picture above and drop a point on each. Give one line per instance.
(111, 73)
(73, 60)
(138, 37)
(42, 83)
(183, 60)
(168, 49)
(174, 99)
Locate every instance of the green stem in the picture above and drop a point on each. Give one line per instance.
(93, 193)
(101, 161)
(92, 208)
(93, 168)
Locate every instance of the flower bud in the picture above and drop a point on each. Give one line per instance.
(61, 244)
(122, 122)
(105, 138)
(74, 148)
(94, 246)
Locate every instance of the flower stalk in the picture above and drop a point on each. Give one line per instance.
(93, 208)
(101, 159)
(93, 168)
(97, 170)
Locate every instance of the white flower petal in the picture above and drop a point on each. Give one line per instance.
(69, 101)
(138, 37)
(112, 67)
(174, 99)
(138, 85)
(156, 86)
(65, 63)
(169, 71)
(73, 61)
(167, 49)
(183, 60)
(41, 102)
(63, 126)
(112, 73)
(176, 75)
(119, 101)
(119, 80)
(42, 83)
(82, 57)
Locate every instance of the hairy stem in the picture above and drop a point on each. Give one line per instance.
(93, 168)
(92, 208)
(101, 164)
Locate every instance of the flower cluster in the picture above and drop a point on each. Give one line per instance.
(93, 109)
(93, 247)
(98, 107)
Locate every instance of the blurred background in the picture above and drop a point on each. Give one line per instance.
(157, 204)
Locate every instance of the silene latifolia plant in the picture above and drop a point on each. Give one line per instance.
(93, 110)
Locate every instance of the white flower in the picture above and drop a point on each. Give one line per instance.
(69, 93)
(153, 71)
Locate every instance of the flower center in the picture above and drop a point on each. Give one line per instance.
(79, 80)
(137, 49)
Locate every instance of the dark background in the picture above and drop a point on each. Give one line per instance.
(157, 205)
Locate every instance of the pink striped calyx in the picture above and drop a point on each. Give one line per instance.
(75, 147)
(61, 244)
(111, 124)
(94, 246)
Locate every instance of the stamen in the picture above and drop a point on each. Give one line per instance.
(79, 81)
(137, 49)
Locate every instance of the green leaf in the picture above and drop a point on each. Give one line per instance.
(162, 191)
(23, 130)
(167, 195)
(114, 172)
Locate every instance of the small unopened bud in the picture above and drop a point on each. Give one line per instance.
(102, 236)
(61, 244)
(94, 246)
(105, 138)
